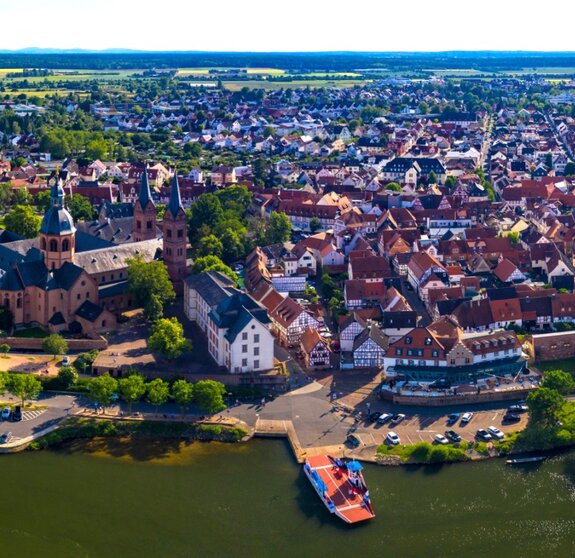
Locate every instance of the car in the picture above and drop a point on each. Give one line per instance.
(397, 419)
(495, 433)
(385, 417)
(353, 440)
(511, 417)
(5, 438)
(453, 436)
(483, 435)
(66, 361)
(17, 414)
(466, 417)
(6, 412)
(372, 417)
(453, 418)
(518, 408)
(393, 438)
(440, 439)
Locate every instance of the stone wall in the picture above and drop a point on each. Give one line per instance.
(553, 346)
(35, 344)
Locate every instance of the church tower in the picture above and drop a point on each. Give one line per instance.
(144, 212)
(57, 231)
(175, 234)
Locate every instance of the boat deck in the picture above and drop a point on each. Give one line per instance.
(347, 501)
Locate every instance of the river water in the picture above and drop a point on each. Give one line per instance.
(167, 499)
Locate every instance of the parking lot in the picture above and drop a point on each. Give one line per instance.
(415, 428)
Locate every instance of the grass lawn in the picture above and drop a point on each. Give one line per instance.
(565, 364)
(31, 333)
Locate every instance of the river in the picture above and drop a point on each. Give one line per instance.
(166, 499)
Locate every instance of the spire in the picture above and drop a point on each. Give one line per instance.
(145, 196)
(175, 203)
(57, 192)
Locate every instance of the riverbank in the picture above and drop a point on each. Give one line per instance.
(78, 428)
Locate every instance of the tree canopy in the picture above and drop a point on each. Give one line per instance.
(23, 221)
(55, 345)
(132, 388)
(183, 393)
(167, 338)
(279, 228)
(209, 395)
(158, 391)
(102, 388)
(24, 386)
(559, 380)
(544, 405)
(149, 283)
(213, 263)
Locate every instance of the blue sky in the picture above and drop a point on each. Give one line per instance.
(289, 25)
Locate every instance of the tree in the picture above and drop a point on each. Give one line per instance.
(4, 348)
(153, 308)
(167, 338)
(132, 389)
(209, 395)
(233, 242)
(450, 183)
(209, 245)
(544, 405)
(24, 386)
(193, 149)
(279, 228)
(213, 263)
(513, 237)
(559, 380)
(206, 211)
(147, 279)
(102, 388)
(393, 187)
(55, 345)
(67, 376)
(569, 169)
(432, 178)
(158, 392)
(80, 208)
(183, 393)
(97, 149)
(314, 225)
(23, 221)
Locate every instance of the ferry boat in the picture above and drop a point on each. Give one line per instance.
(341, 487)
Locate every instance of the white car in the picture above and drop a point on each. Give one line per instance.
(496, 433)
(441, 439)
(397, 419)
(6, 413)
(66, 361)
(466, 417)
(393, 438)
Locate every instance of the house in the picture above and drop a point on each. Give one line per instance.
(552, 346)
(290, 320)
(315, 350)
(349, 329)
(369, 348)
(424, 272)
(508, 272)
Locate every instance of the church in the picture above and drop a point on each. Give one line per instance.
(72, 280)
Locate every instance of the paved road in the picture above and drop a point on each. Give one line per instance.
(58, 408)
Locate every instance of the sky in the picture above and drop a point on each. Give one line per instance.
(288, 25)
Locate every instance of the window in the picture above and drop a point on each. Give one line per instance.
(149, 225)
(78, 296)
(435, 353)
(244, 361)
(257, 338)
(138, 225)
(398, 352)
(256, 363)
(180, 233)
(256, 351)
(244, 348)
(53, 246)
(244, 336)
(65, 245)
(169, 233)
(408, 340)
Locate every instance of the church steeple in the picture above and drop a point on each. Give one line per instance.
(57, 231)
(175, 202)
(175, 240)
(144, 227)
(145, 197)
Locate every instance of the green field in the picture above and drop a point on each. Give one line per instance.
(250, 71)
(237, 85)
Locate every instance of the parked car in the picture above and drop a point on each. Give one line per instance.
(372, 417)
(66, 361)
(5, 438)
(453, 436)
(466, 417)
(483, 435)
(353, 440)
(452, 418)
(511, 417)
(6, 412)
(393, 438)
(397, 419)
(440, 439)
(385, 417)
(17, 414)
(518, 408)
(496, 433)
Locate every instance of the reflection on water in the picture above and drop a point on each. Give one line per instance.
(170, 498)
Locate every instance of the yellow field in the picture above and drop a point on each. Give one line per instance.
(251, 71)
